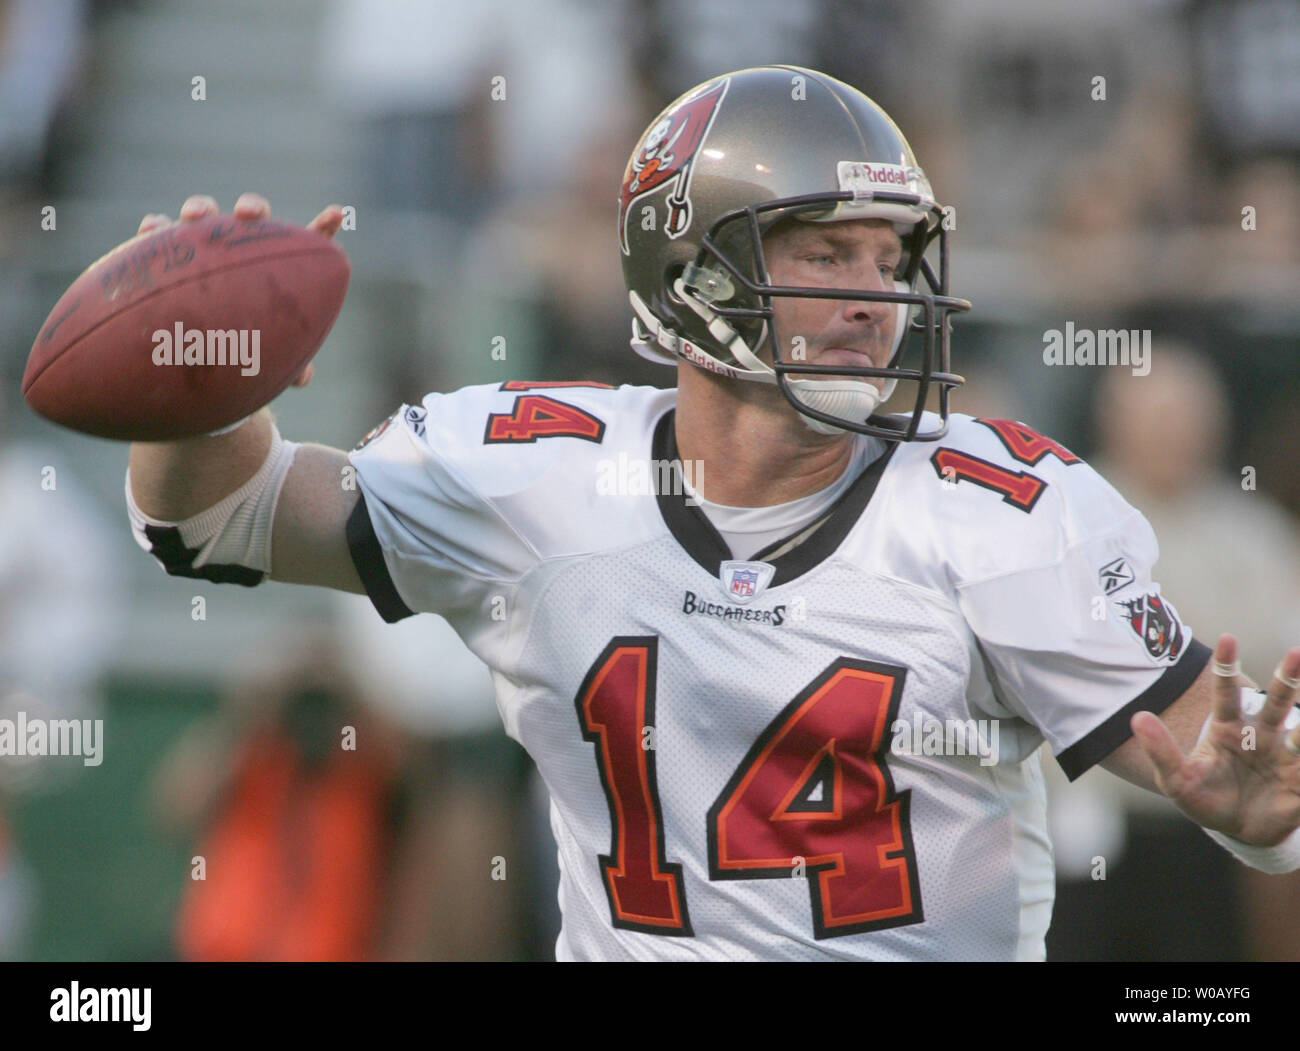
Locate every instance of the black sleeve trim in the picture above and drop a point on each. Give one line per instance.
(1100, 742)
(368, 557)
(166, 546)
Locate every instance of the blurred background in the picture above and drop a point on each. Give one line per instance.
(481, 145)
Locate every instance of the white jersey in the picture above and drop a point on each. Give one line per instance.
(827, 751)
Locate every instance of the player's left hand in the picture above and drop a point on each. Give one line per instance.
(1242, 779)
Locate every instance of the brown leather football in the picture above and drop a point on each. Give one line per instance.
(186, 329)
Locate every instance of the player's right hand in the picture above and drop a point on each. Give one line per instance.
(249, 206)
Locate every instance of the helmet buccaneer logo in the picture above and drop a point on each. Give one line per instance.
(665, 155)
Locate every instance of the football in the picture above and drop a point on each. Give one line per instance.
(186, 329)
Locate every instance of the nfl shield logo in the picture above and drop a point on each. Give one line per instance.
(744, 581)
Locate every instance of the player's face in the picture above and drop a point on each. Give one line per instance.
(859, 253)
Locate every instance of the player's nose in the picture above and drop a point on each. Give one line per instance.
(870, 311)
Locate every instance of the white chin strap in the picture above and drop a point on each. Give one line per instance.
(845, 398)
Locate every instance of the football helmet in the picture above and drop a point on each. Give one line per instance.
(713, 173)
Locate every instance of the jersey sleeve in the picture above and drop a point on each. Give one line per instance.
(422, 536)
(1082, 637)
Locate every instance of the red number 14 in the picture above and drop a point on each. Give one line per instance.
(813, 793)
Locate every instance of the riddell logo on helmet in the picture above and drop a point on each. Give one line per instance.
(696, 356)
(889, 174)
(864, 177)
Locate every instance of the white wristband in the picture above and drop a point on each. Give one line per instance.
(235, 532)
(1284, 856)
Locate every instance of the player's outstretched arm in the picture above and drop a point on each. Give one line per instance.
(310, 540)
(1229, 771)
(173, 482)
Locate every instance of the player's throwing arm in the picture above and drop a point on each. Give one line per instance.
(217, 505)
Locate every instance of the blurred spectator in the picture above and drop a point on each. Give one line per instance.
(466, 799)
(60, 587)
(551, 256)
(457, 109)
(678, 44)
(1229, 556)
(40, 52)
(458, 103)
(406, 72)
(1268, 251)
(1115, 237)
(1229, 560)
(411, 80)
(1249, 73)
(297, 821)
(59, 597)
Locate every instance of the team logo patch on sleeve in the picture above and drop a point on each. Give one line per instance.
(373, 433)
(413, 417)
(1156, 623)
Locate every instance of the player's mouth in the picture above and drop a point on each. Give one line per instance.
(844, 356)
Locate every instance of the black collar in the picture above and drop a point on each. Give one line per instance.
(693, 530)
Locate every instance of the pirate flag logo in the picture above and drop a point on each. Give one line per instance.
(665, 155)
(1156, 624)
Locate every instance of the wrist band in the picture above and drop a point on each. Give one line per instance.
(230, 540)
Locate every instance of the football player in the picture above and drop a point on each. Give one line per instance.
(784, 661)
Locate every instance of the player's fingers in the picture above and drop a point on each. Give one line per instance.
(304, 377)
(1227, 679)
(252, 206)
(329, 221)
(197, 207)
(1158, 743)
(1281, 692)
(153, 221)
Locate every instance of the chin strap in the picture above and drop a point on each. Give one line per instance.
(650, 338)
(723, 333)
(680, 347)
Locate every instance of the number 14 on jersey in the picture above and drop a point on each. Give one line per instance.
(812, 797)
